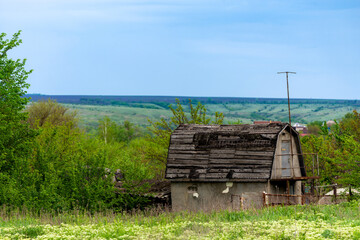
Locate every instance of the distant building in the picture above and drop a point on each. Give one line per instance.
(300, 128)
(330, 123)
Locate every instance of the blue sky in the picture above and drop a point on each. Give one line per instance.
(188, 47)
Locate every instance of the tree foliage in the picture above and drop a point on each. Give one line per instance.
(197, 115)
(338, 151)
(55, 165)
(315, 127)
(350, 125)
(50, 112)
(110, 131)
(15, 134)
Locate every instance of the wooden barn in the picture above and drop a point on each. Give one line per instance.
(231, 166)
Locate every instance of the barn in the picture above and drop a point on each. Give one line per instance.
(214, 167)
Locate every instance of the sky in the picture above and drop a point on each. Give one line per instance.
(215, 48)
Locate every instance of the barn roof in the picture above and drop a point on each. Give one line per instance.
(219, 153)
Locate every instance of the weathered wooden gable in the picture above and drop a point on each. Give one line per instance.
(222, 152)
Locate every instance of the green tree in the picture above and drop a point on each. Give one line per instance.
(350, 125)
(110, 131)
(338, 151)
(15, 134)
(16, 137)
(50, 112)
(315, 127)
(197, 115)
(107, 130)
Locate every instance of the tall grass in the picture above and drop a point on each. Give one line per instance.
(295, 222)
(157, 216)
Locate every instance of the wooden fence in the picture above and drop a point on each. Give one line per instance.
(289, 199)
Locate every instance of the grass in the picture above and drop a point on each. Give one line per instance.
(246, 112)
(295, 222)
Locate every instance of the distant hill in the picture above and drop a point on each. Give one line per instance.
(138, 109)
(124, 100)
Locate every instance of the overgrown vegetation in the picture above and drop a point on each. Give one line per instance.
(295, 222)
(338, 149)
(48, 163)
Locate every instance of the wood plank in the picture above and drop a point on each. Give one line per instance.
(187, 165)
(184, 170)
(251, 175)
(209, 180)
(254, 153)
(178, 144)
(184, 132)
(222, 156)
(262, 131)
(256, 148)
(177, 175)
(181, 140)
(178, 170)
(182, 147)
(257, 157)
(223, 151)
(216, 175)
(238, 175)
(262, 170)
(238, 161)
(172, 151)
(181, 136)
(225, 170)
(220, 166)
(188, 162)
(239, 170)
(204, 164)
(238, 166)
(204, 127)
(232, 154)
(188, 156)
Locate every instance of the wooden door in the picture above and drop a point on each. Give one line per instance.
(285, 159)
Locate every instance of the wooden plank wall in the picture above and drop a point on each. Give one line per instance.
(234, 158)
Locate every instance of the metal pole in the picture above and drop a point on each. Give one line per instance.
(287, 84)
(288, 96)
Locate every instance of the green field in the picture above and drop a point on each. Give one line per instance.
(245, 112)
(295, 222)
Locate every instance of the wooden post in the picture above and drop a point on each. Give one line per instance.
(313, 186)
(287, 186)
(288, 191)
(264, 199)
(335, 193)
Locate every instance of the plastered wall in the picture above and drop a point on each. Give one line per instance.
(210, 196)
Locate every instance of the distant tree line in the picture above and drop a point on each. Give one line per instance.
(164, 101)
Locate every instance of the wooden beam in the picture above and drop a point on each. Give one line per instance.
(294, 178)
(219, 180)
